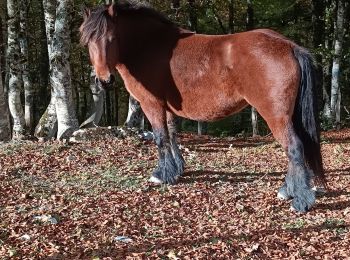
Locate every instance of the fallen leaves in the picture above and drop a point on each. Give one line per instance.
(92, 200)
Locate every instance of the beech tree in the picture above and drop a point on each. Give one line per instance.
(98, 96)
(15, 77)
(135, 116)
(338, 48)
(61, 109)
(61, 73)
(47, 126)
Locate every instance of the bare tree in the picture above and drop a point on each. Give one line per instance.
(47, 126)
(98, 96)
(15, 77)
(338, 48)
(61, 73)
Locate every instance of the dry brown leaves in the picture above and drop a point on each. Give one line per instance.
(92, 201)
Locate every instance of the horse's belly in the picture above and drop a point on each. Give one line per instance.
(208, 108)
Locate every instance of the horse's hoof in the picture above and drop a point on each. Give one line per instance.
(283, 194)
(159, 178)
(304, 204)
(155, 180)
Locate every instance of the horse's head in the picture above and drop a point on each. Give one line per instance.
(98, 32)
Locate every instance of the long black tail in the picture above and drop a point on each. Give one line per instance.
(305, 117)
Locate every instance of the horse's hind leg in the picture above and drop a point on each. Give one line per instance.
(297, 185)
(180, 162)
(299, 176)
(167, 171)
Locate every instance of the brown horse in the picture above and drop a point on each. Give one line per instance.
(170, 71)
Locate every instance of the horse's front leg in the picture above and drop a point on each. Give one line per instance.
(167, 171)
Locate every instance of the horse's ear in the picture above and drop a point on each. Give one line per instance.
(86, 13)
(112, 10)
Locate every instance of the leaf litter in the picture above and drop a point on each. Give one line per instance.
(92, 200)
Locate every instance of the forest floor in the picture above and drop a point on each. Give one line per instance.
(92, 200)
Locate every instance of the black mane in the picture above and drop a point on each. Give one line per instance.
(94, 26)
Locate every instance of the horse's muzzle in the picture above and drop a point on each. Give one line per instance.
(105, 84)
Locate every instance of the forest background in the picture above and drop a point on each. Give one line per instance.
(26, 40)
(92, 199)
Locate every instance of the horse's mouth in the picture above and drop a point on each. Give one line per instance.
(105, 85)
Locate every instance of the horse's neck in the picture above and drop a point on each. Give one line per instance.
(143, 35)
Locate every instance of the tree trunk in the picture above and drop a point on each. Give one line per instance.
(28, 86)
(202, 128)
(338, 46)
(255, 122)
(5, 129)
(193, 21)
(135, 115)
(15, 77)
(47, 126)
(250, 26)
(98, 96)
(327, 60)
(61, 73)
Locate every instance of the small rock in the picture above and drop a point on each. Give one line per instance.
(253, 248)
(25, 237)
(122, 239)
(70, 158)
(12, 252)
(239, 207)
(172, 255)
(46, 219)
(148, 136)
